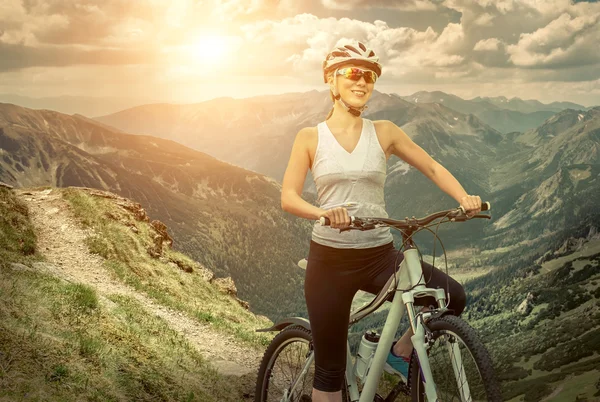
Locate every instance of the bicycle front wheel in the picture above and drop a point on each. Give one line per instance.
(461, 366)
(287, 369)
(287, 362)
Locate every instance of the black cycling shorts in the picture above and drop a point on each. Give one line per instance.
(333, 276)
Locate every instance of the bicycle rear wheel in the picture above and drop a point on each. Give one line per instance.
(287, 361)
(461, 366)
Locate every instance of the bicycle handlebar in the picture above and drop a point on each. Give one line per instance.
(367, 223)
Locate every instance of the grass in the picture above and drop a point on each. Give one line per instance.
(17, 237)
(162, 279)
(581, 385)
(61, 341)
(58, 342)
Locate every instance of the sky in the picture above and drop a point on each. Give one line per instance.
(187, 51)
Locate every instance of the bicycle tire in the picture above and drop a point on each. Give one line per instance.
(478, 364)
(266, 388)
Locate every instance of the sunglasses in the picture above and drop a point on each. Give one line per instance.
(355, 73)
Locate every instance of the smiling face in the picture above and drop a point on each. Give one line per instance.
(354, 93)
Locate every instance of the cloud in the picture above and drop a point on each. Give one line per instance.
(244, 11)
(63, 22)
(16, 56)
(498, 7)
(490, 44)
(515, 41)
(309, 39)
(490, 52)
(483, 19)
(404, 5)
(563, 42)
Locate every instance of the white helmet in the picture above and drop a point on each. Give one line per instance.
(357, 54)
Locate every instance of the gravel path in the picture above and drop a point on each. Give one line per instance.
(61, 241)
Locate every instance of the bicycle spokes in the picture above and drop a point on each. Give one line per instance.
(292, 373)
(454, 370)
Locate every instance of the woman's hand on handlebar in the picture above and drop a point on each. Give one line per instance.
(471, 204)
(338, 217)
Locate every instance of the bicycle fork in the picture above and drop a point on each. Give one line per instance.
(418, 341)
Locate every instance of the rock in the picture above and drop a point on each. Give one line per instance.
(243, 303)
(161, 229)
(225, 285)
(231, 368)
(570, 245)
(545, 257)
(593, 234)
(135, 208)
(112, 216)
(205, 273)
(526, 305)
(183, 265)
(15, 266)
(155, 250)
(46, 267)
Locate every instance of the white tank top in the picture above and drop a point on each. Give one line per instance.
(355, 180)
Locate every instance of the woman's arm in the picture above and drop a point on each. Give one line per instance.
(293, 179)
(293, 183)
(403, 147)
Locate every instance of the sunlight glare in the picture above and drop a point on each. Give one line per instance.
(210, 51)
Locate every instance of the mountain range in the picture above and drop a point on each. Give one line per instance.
(219, 214)
(220, 201)
(68, 104)
(212, 206)
(260, 131)
(505, 115)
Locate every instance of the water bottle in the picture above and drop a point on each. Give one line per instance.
(366, 351)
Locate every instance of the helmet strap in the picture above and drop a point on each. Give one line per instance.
(350, 109)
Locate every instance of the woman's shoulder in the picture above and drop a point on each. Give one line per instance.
(308, 133)
(382, 125)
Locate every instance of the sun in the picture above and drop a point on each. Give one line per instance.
(210, 50)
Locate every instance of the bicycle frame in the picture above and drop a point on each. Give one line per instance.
(409, 277)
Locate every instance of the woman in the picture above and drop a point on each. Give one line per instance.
(347, 156)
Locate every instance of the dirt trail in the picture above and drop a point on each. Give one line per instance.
(61, 241)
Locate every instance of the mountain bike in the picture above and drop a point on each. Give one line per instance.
(448, 363)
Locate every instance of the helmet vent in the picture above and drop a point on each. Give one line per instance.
(355, 53)
(353, 49)
(339, 54)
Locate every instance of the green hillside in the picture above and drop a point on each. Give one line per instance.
(64, 340)
(540, 317)
(218, 214)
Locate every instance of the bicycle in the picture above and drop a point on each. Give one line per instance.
(437, 334)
